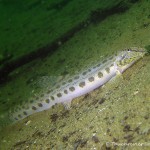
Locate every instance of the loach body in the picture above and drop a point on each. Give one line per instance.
(81, 84)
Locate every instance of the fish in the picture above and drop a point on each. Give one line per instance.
(82, 83)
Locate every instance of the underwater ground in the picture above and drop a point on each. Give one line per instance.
(106, 118)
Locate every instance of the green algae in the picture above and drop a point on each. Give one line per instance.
(118, 112)
(148, 49)
(45, 20)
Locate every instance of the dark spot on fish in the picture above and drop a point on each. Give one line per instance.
(25, 113)
(52, 98)
(111, 65)
(40, 104)
(49, 91)
(58, 86)
(104, 61)
(72, 89)
(70, 80)
(65, 91)
(98, 65)
(47, 101)
(82, 84)
(37, 98)
(19, 116)
(33, 107)
(84, 73)
(91, 79)
(41, 95)
(63, 83)
(76, 77)
(31, 101)
(59, 95)
(100, 74)
(107, 70)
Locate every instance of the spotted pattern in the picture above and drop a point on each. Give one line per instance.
(94, 67)
(41, 95)
(111, 65)
(34, 108)
(58, 86)
(52, 98)
(40, 104)
(72, 89)
(49, 91)
(70, 80)
(79, 82)
(110, 58)
(98, 65)
(82, 84)
(76, 77)
(100, 74)
(104, 61)
(107, 70)
(47, 100)
(84, 73)
(31, 101)
(91, 79)
(59, 95)
(37, 98)
(65, 91)
(19, 116)
(25, 113)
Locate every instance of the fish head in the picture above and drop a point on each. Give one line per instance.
(128, 57)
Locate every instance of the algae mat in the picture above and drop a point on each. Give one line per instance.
(29, 25)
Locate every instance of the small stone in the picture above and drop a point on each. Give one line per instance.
(95, 139)
(127, 128)
(28, 122)
(136, 92)
(102, 100)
